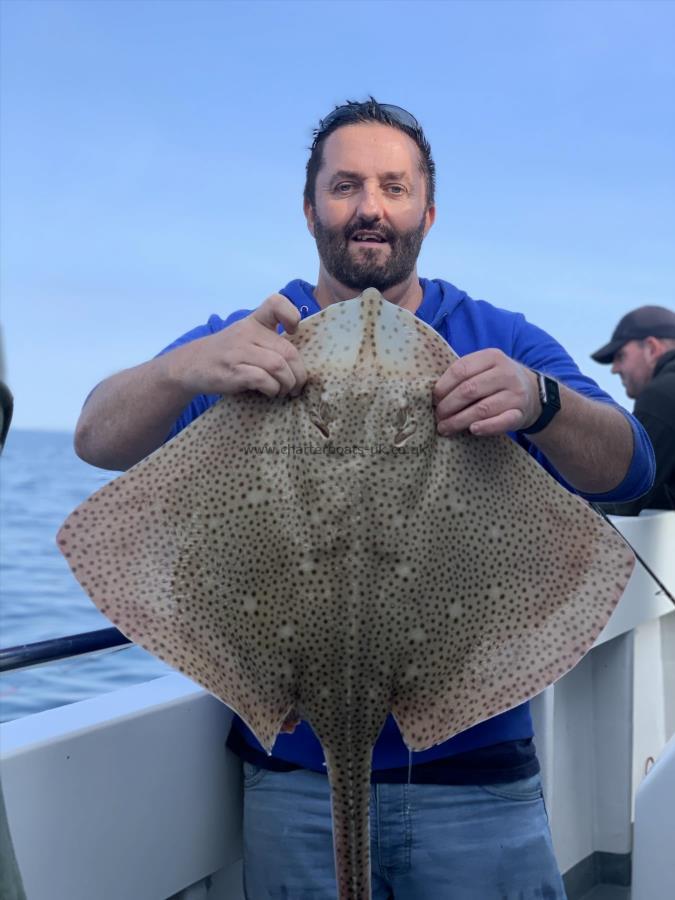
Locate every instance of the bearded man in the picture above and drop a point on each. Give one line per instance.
(466, 820)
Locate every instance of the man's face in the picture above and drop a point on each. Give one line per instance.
(370, 214)
(634, 362)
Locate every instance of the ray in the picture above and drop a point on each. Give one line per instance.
(334, 556)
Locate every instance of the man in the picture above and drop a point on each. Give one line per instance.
(466, 820)
(642, 353)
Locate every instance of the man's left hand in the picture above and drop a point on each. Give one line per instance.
(486, 393)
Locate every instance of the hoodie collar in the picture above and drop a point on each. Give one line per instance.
(439, 298)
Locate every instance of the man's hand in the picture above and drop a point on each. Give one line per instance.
(131, 413)
(486, 393)
(249, 355)
(589, 442)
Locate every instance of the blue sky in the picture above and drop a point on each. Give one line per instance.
(153, 157)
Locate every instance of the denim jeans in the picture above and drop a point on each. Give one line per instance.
(428, 842)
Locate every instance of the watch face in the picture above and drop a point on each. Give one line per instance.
(549, 394)
(552, 393)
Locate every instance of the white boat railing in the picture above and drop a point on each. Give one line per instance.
(133, 796)
(599, 726)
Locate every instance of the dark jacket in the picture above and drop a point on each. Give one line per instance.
(655, 408)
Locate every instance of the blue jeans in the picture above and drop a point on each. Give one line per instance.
(428, 842)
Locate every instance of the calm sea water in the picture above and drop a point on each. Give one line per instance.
(41, 481)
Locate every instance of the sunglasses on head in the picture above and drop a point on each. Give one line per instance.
(397, 113)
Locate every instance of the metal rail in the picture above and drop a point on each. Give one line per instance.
(23, 656)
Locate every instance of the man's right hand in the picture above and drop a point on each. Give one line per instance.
(131, 413)
(249, 355)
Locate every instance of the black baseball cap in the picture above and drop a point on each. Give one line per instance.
(647, 321)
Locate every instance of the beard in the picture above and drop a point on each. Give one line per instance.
(369, 268)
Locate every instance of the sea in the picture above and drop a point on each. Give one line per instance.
(41, 482)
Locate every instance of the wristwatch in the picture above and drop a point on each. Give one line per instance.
(549, 395)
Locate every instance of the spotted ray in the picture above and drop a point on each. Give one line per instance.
(333, 555)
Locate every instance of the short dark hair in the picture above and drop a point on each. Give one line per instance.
(354, 112)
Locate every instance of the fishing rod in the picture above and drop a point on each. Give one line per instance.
(648, 569)
(23, 656)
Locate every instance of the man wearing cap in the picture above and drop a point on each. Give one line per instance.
(466, 818)
(642, 352)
